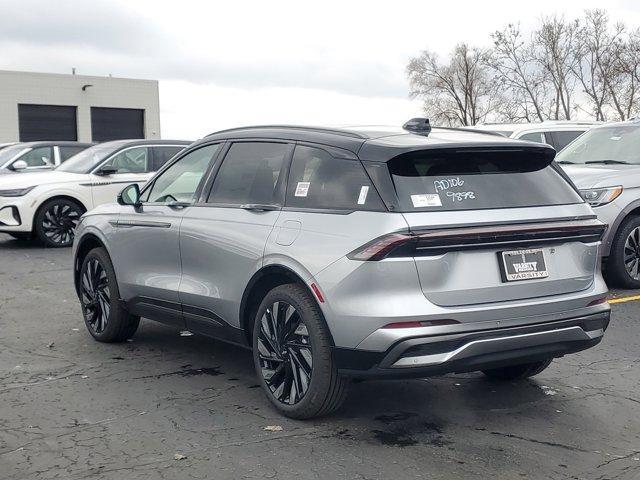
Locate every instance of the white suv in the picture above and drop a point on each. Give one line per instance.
(558, 134)
(49, 204)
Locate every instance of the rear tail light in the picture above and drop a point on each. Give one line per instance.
(438, 241)
(380, 247)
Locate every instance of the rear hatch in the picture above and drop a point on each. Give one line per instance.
(494, 225)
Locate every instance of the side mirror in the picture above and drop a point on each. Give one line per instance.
(106, 170)
(130, 195)
(19, 165)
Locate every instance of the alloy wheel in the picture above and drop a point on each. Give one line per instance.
(59, 223)
(285, 353)
(632, 254)
(95, 295)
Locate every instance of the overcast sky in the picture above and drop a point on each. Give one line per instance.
(228, 63)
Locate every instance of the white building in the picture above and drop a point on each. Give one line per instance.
(47, 106)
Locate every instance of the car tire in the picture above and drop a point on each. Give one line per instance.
(518, 372)
(24, 236)
(56, 220)
(625, 252)
(292, 353)
(104, 315)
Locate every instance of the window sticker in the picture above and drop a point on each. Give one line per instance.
(363, 194)
(426, 200)
(302, 189)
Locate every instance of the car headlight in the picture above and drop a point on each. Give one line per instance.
(600, 196)
(16, 192)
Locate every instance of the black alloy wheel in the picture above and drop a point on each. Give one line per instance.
(56, 222)
(285, 353)
(95, 296)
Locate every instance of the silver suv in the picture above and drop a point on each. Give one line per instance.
(353, 253)
(605, 164)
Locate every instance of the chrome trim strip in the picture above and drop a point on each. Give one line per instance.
(138, 223)
(489, 345)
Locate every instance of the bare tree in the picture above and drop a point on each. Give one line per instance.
(460, 92)
(518, 72)
(555, 51)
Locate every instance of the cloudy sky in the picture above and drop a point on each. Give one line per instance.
(228, 63)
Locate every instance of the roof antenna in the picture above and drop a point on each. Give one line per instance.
(419, 126)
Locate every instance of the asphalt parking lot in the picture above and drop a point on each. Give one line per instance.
(171, 406)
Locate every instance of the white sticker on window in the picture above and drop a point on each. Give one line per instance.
(302, 189)
(426, 200)
(363, 194)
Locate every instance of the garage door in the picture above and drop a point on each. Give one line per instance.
(47, 122)
(116, 123)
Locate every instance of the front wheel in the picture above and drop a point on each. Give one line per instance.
(518, 372)
(623, 264)
(56, 221)
(292, 355)
(104, 316)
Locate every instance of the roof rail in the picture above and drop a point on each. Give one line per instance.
(471, 130)
(334, 131)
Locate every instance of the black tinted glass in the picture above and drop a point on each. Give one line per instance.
(470, 180)
(559, 140)
(317, 180)
(250, 174)
(67, 152)
(162, 155)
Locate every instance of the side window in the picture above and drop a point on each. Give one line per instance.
(39, 157)
(532, 137)
(250, 173)
(317, 180)
(162, 155)
(132, 160)
(67, 152)
(180, 181)
(561, 139)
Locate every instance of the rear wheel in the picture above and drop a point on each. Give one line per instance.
(292, 355)
(623, 264)
(56, 221)
(105, 317)
(517, 372)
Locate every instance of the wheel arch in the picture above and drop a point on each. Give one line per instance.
(88, 242)
(264, 280)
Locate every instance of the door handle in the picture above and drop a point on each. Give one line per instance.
(260, 207)
(178, 204)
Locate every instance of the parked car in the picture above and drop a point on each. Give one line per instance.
(49, 204)
(352, 253)
(605, 165)
(558, 134)
(37, 156)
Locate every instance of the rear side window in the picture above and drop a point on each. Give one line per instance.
(319, 181)
(559, 140)
(162, 155)
(67, 152)
(532, 137)
(250, 173)
(471, 180)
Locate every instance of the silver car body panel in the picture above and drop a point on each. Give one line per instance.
(197, 262)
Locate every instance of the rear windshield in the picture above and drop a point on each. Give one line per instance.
(471, 180)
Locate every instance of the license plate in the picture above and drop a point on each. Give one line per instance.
(523, 265)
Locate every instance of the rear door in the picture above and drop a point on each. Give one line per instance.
(490, 199)
(222, 239)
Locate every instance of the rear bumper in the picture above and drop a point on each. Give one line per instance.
(471, 351)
